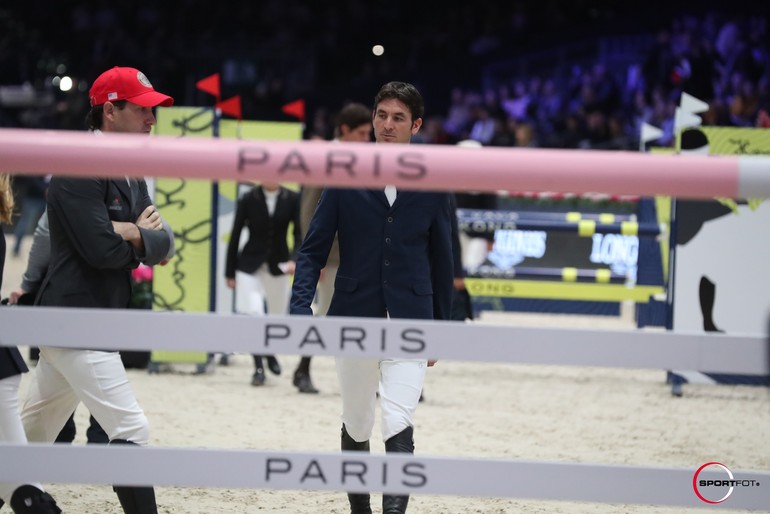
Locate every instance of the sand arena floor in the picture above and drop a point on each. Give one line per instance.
(550, 413)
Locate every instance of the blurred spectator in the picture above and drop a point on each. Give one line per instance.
(485, 62)
(31, 190)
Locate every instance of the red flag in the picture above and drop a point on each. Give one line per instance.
(296, 109)
(231, 106)
(210, 85)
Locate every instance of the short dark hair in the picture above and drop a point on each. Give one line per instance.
(354, 115)
(95, 117)
(406, 93)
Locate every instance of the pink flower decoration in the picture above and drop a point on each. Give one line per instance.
(141, 274)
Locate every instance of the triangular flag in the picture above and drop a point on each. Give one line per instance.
(295, 108)
(684, 119)
(650, 133)
(690, 104)
(231, 107)
(210, 85)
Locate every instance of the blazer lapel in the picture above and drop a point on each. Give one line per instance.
(401, 197)
(122, 186)
(280, 205)
(260, 196)
(379, 197)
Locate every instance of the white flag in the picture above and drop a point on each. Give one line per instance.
(650, 133)
(690, 104)
(684, 119)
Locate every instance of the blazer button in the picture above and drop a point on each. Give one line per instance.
(387, 262)
(390, 219)
(387, 240)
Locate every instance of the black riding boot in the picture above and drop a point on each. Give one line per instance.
(95, 433)
(135, 500)
(359, 503)
(28, 499)
(68, 431)
(403, 442)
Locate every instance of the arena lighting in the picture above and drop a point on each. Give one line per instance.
(378, 50)
(65, 84)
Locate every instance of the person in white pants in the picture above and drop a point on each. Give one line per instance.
(24, 498)
(395, 261)
(259, 272)
(100, 229)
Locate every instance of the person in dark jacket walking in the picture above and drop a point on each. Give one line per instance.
(259, 272)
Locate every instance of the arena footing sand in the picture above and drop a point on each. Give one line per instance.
(501, 411)
(476, 410)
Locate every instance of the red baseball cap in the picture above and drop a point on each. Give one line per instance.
(126, 84)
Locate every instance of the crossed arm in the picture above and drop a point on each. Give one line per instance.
(149, 219)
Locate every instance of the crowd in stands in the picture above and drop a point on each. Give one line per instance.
(720, 60)
(276, 51)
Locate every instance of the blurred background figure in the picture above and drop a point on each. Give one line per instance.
(31, 191)
(259, 272)
(354, 124)
(23, 498)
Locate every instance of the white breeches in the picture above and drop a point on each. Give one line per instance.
(11, 428)
(252, 291)
(64, 377)
(399, 383)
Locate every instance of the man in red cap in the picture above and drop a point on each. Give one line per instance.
(124, 99)
(100, 229)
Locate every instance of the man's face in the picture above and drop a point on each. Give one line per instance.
(360, 134)
(133, 118)
(393, 122)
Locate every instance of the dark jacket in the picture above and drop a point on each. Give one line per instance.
(396, 258)
(267, 234)
(11, 362)
(91, 264)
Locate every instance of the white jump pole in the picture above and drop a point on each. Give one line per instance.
(391, 473)
(378, 338)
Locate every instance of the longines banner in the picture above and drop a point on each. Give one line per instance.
(557, 255)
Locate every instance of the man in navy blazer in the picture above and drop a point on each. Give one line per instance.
(395, 261)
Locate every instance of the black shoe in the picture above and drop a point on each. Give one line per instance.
(272, 365)
(30, 499)
(303, 383)
(258, 378)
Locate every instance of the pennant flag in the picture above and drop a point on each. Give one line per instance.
(210, 85)
(231, 107)
(690, 104)
(296, 109)
(684, 119)
(650, 132)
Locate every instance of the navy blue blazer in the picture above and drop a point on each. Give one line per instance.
(396, 259)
